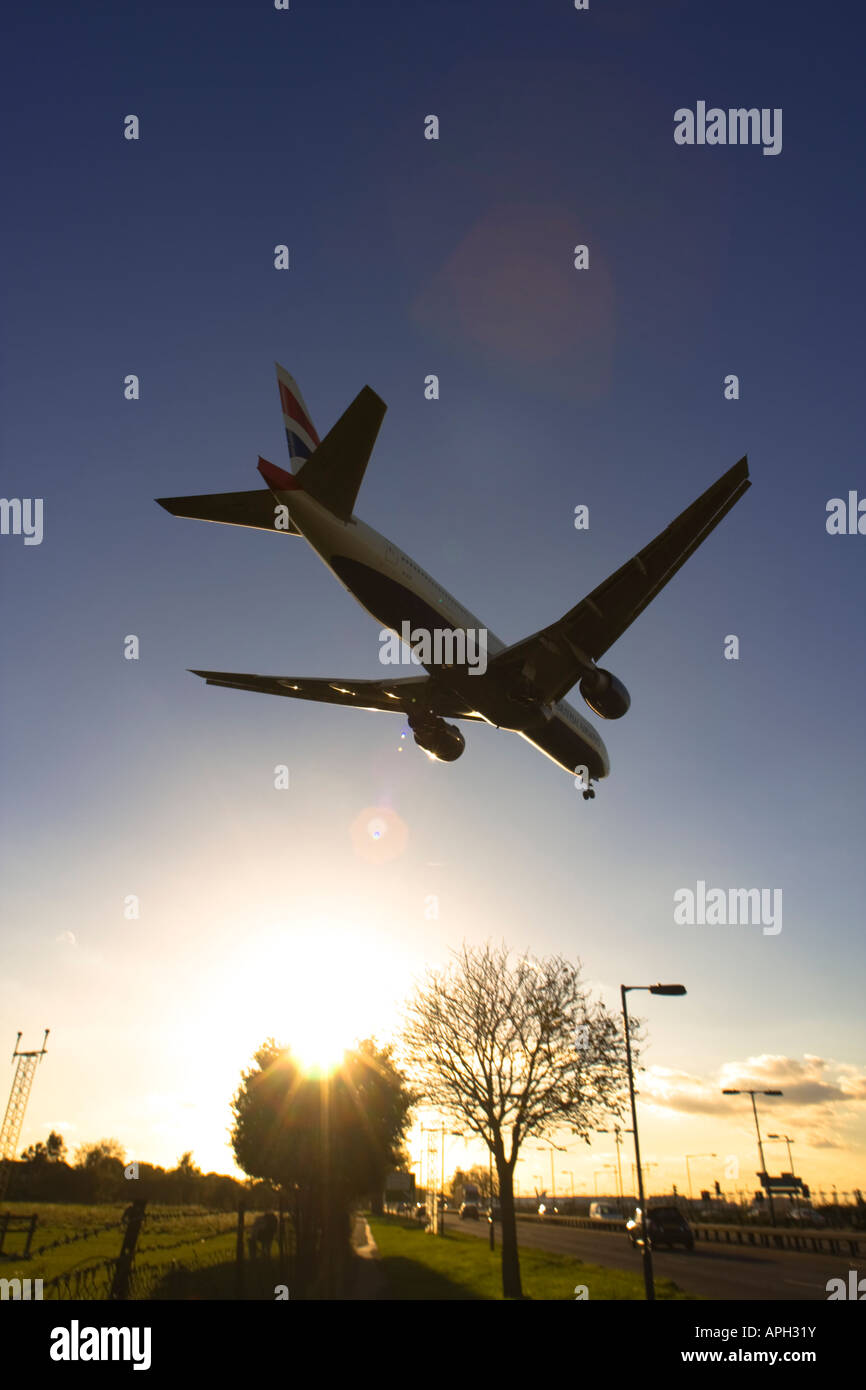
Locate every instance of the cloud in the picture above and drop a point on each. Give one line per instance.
(806, 1083)
(678, 1090)
(68, 937)
(803, 1082)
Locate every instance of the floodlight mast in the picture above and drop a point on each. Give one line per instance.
(10, 1131)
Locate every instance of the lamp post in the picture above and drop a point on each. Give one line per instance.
(538, 1179)
(605, 1167)
(764, 1173)
(452, 1134)
(552, 1178)
(490, 1185)
(416, 1163)
(617, 1132)
(786, 1139)
(647, 1253)
(688, 1172)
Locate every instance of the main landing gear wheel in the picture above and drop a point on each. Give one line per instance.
(589, 794)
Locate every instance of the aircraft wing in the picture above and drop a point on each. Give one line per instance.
(552, 657)
(404, 696)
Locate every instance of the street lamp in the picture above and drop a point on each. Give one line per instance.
(647, 1254)
(764, 1173)
(452, 1134)
(688, 1173)
(617, 1132)
(786, 1139)
(605, 1167)
(490, 1185)
(552, 1178)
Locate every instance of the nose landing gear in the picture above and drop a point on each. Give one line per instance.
(589, 794)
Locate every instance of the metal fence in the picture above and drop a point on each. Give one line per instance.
(149, 1264)
(808, 1242)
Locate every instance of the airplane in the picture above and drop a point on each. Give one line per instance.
(523, 685)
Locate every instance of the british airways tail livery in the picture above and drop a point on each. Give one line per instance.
(519, 687)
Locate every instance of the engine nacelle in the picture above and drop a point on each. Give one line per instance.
(606, 696)
(443, 741)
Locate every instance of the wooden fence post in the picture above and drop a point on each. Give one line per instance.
(239, 1253)
(281, 1233)
(132, 1218)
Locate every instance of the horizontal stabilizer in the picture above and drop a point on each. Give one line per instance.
(257, 509)
(334, 473)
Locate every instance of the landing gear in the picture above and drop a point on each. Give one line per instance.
(589, 794)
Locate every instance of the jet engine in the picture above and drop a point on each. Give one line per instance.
(605, 695)
(443, 741)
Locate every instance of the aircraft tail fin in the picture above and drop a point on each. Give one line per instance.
(301, 433)
(335, 470)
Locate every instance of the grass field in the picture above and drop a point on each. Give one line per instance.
(77, 1239)
(459, 1266)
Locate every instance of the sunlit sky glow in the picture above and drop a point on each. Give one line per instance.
(278, 913)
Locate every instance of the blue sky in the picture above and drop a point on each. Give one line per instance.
(261, 912)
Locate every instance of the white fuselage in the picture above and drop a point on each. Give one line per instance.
(393, 589)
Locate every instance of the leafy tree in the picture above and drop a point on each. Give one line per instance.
(514, 1051)
(97, 1155)
(477, 1176)
(52, 1151)
(55, 1148)
(326, 1141)
(102, 1168)
(185, 1177)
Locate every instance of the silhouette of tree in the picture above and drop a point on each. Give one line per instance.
(102, 1166)
(52, 1151)
(96, 1155)
(477, 1176)
(55, 1148)
(327, 1141)
(514, 1052)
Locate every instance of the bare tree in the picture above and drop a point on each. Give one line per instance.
(514, 1051)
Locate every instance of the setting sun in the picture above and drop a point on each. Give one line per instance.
(316, 996)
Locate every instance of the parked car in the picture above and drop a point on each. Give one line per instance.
(806, 1216)
(604, 1211)
(468, 1211)
(667, 1226)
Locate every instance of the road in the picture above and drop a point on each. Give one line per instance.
(739, 1273)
